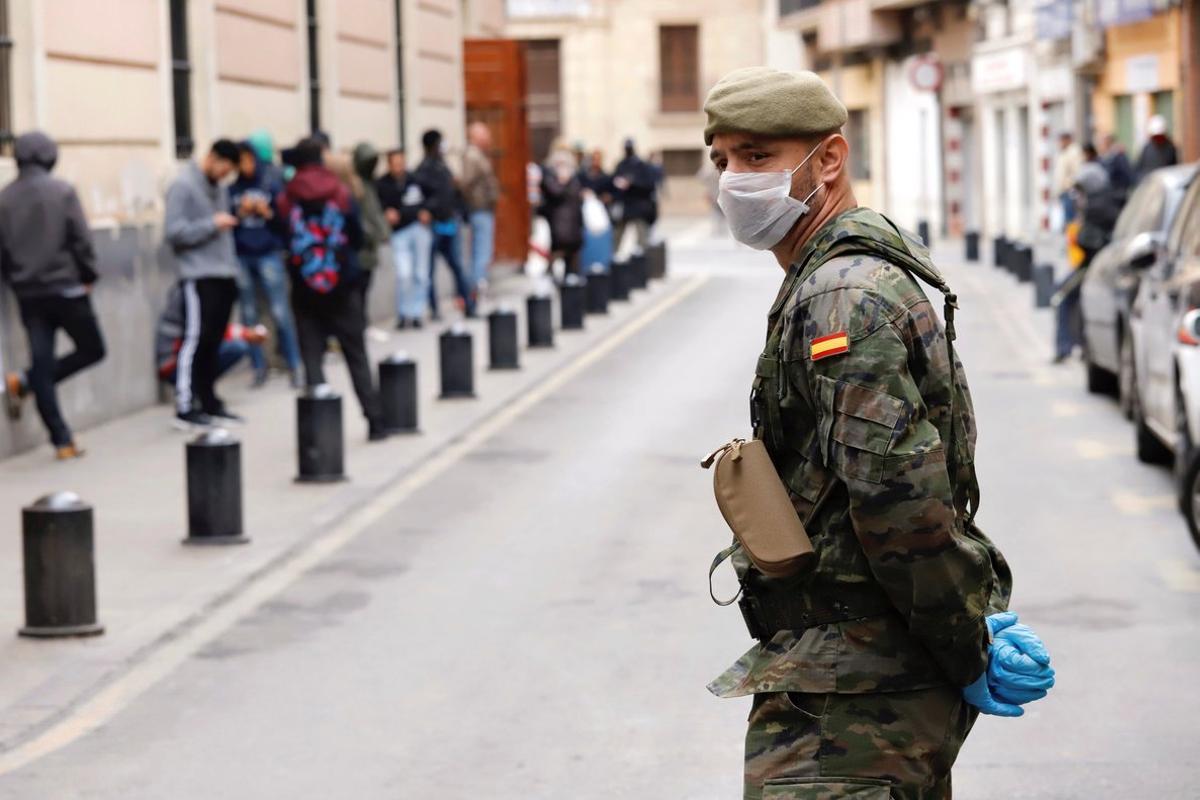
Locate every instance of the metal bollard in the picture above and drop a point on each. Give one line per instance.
(596, 291)
(971, 240)
(502, 339)
(398, 393)
(60, 568)
(214, 489)
(999, 248)
(656, 261)
(570, 302)
(539, 320)
(619, 281)
(637, 272)
(457, 362)
(1043, 285)
(320, 445)
(923, 231)
(1023, 262)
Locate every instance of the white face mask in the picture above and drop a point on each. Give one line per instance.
(759, 206)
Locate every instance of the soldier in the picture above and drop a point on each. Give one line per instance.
(872, 666)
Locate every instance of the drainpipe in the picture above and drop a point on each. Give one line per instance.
(400, 69)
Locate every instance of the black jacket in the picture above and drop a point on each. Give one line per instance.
(1156, 154)
(639, 198)
(562, 206)
(437, 183)
(404, 195)
(45, 245)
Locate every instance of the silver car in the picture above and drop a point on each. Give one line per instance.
(1112, 281)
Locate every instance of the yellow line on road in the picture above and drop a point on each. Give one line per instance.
(98, 710)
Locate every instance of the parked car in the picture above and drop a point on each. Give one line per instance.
(1111, 282)
(1165, 342)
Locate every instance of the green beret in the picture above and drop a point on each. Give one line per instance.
(770, 102)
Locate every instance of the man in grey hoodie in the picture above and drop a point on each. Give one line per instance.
(47, 258)
(198, 227)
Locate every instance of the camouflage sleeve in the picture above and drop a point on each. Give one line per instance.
(877, 436)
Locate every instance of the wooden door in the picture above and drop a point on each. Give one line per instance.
(495, 95)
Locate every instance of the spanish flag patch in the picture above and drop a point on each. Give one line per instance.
(832, 345)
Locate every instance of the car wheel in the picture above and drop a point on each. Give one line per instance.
(1190, 499)
(1183, 452)
(1099, 380)
(1149, 449)
(1126, 376)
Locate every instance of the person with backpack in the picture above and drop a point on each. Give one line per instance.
(324, 232)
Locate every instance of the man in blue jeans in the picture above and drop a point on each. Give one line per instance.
(403, 204)
(443, 202)
(257, 241)
(481, 190)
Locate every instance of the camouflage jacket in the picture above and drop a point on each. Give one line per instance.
(853, 399)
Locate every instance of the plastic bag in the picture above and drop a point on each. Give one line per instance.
(595, 217)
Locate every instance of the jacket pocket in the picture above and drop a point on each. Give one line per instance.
(859, 427)
(827, 789)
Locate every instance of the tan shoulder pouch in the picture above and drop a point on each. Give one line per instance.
(756, 505)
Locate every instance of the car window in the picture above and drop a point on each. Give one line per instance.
(1127, 220)
(1150, 207)
(1187, 221)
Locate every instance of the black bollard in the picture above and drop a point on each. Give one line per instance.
(570, 302)
(539, 320)
(619, 281)
(596, 291)
(971, 240)
(502, 339)
(1022, 259)
(320, 445)
(457, 363)
(60, 568)
(637, 271)
(923, 231)
(999, 246)
(214, 489)
(398, 393)
(656, 261)
(1043, 285)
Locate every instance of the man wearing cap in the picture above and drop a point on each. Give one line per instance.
(870, 667)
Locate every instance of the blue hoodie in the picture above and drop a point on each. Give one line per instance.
(256, 236)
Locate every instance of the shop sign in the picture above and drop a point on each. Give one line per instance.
(1141, 74)
(1000, 71)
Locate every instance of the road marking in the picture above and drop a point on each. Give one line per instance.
(1179, 575)
(1096, 450)
(110, 700)
(1137, 505)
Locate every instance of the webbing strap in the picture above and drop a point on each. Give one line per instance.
(721, 556)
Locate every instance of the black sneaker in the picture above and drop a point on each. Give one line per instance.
(377, 433)
(191, 421)
(416, 323)
(225, 417)
(401, 324)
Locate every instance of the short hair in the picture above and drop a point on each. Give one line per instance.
(226, 149)
(1090, 151)
(307, 151)
(431, 139)
(245, 147)
(395, 151)
(322, 139)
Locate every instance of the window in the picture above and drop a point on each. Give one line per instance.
(1129, 221)
(1123, 120)
(1185, 234)
(181, 79)
(679, 67)
(858, 135)
(314, 79)
(1164, 106)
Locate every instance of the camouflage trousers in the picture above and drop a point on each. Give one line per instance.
(884, 746)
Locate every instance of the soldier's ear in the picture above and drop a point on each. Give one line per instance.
(834, 158)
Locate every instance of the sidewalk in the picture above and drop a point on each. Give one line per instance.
(150, 587)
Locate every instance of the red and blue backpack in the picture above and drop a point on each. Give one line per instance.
(317, 240)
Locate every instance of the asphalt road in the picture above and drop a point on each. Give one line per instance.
(533, 620)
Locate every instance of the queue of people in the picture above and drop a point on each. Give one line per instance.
(1093, 185)
(301, 236)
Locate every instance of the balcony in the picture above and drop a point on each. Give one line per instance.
(845, 25)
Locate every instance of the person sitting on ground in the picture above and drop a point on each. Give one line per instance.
(47, 258)
(168, 338)
(324, 233)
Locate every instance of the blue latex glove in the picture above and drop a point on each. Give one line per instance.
(1018, 665)
(1008, 669)
(1017, 697)
(1024, 640)
(980, 695)
(1000, 621)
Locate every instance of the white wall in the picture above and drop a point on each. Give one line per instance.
(914, 162)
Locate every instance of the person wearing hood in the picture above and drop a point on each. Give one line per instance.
(635, 184)
(324, 236)
(376, 230)
(198, 227)
(258, 244)
(47, 258)
(1159, 151)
